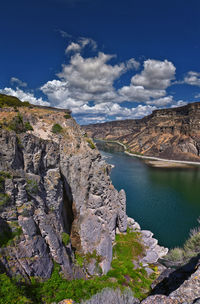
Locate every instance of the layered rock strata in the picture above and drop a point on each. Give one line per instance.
(168, 133)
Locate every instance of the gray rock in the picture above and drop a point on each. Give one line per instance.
(111, 296)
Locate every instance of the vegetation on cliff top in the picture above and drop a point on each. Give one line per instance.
(11, 101)
(127, 249)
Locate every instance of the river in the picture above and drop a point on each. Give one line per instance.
(165, 201)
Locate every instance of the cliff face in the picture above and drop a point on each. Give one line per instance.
(56, 197)
(168, 133)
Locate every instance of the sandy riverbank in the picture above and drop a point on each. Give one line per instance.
(157, 162)
(165, 163)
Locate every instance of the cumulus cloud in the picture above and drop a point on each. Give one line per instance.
(91, 79)
(85, 80)
(139, 93)
(24, 96)
(161, 102)
(192, 78)
(106, 112)
(89, 87)
(17, 82)
(156, 75)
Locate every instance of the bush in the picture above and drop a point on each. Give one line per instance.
(65, 238)
(28, 126)
(67, 116)
(4, 199)
(175, 255)
(90, 143)
(18, 125)
(10, 292)
(56, 129)
(31, 187)
(190, 249)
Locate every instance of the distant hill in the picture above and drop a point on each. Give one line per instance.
(168, 133)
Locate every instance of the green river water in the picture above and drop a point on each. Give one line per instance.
(165, 201)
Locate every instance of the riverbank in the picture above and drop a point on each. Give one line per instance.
(157, 162)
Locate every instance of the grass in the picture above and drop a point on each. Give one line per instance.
(127, 249)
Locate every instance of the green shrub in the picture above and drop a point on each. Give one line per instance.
(56, 128)
(7, 236)
(10, 292)
(3, 176)
(31, 187)
(4, 199)
(65, 238)
(90, 143)
(175, 255)
(18, 125)
(28, 126)
(67, 116)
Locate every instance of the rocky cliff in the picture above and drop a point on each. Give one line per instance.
(56, 196)
(168, 133)
(60, 211)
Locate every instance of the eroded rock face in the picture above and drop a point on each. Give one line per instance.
(55, 186)
(167, 133)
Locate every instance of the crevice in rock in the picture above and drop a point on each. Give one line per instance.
(66, 213)
(18, 162)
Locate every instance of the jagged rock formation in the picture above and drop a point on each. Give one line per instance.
(168, 133)
(53, 185)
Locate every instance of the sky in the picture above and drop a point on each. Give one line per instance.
(103, 59)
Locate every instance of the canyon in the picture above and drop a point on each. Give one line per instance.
(167, 133)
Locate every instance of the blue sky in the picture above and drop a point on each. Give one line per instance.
(104, 60)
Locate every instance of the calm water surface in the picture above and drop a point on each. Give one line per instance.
(165, 201)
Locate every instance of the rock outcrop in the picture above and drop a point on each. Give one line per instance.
(54, 187)
(168, 133)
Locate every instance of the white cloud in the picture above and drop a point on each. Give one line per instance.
(81, 44)
(156, 75)
(17, 82)
(109, 110)
(192, 78)
(73, 47)
(24, 96)
(179, 103)
(161, 102)
(139, 93)
(85, 80)
(197, 95)
(132, 64)
(91, 79)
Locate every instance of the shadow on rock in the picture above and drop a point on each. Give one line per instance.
(171, 279)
